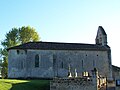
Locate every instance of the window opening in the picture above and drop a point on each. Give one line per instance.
(37, 61)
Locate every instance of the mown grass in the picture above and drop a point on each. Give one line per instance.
(12, 84)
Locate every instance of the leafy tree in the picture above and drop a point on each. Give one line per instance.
(28, 34)
(4, 69)
(14, 37)
(0, 60)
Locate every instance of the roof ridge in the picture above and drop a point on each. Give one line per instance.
(59, 46)
(59, 42)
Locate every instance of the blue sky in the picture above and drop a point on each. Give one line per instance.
(74, 21)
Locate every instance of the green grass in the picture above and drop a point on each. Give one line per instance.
(12, 84)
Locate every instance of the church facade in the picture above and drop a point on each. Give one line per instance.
(53, 59)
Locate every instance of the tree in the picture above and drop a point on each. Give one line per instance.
(15, 37)
(4, 69)
(12, 38)
(0, 60)
(28, 34)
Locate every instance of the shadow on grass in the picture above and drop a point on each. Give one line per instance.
(32, 85)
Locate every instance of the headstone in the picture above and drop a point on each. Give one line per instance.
(75, 73)
(69, 72)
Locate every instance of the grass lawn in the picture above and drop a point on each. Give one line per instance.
(12, 84)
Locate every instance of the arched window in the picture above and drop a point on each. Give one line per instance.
(82, 65)
(21, 65)
(94, 63)
(37, 61)
(54, 61)
(18, 51)
(62, 65)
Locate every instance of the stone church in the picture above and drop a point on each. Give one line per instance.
(53, 59)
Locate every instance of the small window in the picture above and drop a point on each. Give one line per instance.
(97, 41)
(82, 64)
(62, 65)
(25, 51)
(93, 63)
(18, 51)
(37, 61)
(21, 65)
(100, 39)
(54, 60)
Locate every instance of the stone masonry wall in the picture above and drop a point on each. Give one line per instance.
(55, 63)
(79, 83)
(73, 84)
(16, 64)
(83, 83)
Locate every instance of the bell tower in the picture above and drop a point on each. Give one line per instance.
(101, 38)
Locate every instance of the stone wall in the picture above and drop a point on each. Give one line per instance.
(55, 63)
(84, 83)
(16, 63)
(72, 84)
(115, 71)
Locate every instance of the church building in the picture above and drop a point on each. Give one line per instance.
(54, 59)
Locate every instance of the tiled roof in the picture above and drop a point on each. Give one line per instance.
(59, 46)
(115, 68)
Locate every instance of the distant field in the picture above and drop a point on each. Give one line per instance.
(12, 84)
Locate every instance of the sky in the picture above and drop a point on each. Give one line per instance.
(72, 21)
